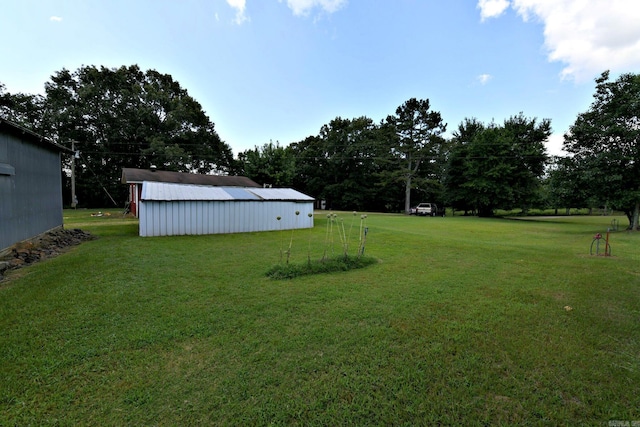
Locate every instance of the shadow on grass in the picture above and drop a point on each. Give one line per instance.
(566, 219)
(328, 265)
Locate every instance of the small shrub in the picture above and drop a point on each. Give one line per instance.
(325, 265)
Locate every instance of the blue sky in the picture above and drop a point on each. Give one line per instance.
(277, 70)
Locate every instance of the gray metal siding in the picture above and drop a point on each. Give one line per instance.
(31, 198)
(162, 218)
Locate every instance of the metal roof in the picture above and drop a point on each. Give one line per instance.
(163, 191)
(136, 176)
(240, 193)
(279, 194)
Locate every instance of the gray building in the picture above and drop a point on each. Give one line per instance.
(30, 184)
(134, 178)
(168, 209)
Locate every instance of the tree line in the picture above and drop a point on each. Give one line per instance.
(126, 117)
(119, 118)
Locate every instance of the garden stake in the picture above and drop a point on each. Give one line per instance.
(309, 247)
(281, 237)
(364, 239)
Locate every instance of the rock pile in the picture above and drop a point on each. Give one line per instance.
(45, 246)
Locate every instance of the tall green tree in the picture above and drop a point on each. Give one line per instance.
(417, 141)
(528, 150)
(23, 109)
(457, 195)
(495, 166)
(270, 164)
(605, 144)
(125, 117)
(488, 169)
(566, 186)
(310, 161)
(343, 165)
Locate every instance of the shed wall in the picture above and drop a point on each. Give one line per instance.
(30, 190)
(162, 218)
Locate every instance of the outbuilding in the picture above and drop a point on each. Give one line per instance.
(134, 178)
(169, 209)
(30, 184)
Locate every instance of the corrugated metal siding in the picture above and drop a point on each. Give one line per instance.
(160, 218)
(31, 199)
(168, 209)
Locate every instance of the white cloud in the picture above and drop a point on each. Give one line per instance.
(492, 8)
(303, 7)
(484, 78)
(55, 19)
(239, 6)
(589, 36)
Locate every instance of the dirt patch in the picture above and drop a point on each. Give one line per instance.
(45, 246)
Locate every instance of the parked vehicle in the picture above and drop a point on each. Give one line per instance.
(413, 210)
(427, 209)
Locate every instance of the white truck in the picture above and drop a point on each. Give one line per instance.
(427, 209)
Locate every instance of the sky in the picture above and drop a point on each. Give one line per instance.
(278, 70)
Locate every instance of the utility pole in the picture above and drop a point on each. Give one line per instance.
(74, 201)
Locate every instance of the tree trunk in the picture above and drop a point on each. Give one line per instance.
(407, 195)
(485, 211)
(636, 213)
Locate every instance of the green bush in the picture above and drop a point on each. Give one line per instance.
(327, 265)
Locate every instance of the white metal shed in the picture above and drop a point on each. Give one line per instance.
(168, 209)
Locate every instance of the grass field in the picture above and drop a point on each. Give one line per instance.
(464, 321)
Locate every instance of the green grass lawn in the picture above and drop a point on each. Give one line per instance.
(461, 322)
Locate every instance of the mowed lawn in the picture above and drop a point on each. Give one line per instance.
(464, 321)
